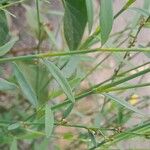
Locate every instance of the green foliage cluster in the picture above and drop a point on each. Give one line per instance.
(43, 89)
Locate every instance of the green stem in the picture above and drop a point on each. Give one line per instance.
(133, 69)
(117, 82)
(95, 67)
(11, 4)
(7, 123)
(86, 92)
(38, 45)
(45, 55)
(141, 129)
(96, 89)
(128, 87)
(39, 25)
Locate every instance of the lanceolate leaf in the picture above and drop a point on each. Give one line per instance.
(129, 3)
(62, 81)
(75, 20)
(89, 5)
(7, 47)
(147, 4)
(5, 85)
(13, 145)
(106, 19)
(25, 86)
(68, 110)
(123, 103)
(14, 126)
(143, 12)
(40, 87)
(4, 31)
(49, 121)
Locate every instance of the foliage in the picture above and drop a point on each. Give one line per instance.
(42, 89)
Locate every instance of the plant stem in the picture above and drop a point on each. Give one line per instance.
(7, 123)
(45, 55)
(141, 129)
(95, 67)
(117, 82)
(101, 89)
(11, 4)
(88, 91)
(38, 46)
(128, 87)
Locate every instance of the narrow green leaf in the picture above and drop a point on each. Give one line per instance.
(71, 66)
(68, 111)
(106, 19)
(5, 85)
(129, 3)
(4, 31)
(29, 70)
(147, 4)
(89, 5)
(62, 81)
(123, 103)
(73, 83)
(137, 130)
(44, 145)
(75, 20)
(7, 47)
(143, 12)
(13, 145)
(14, 126)
(3, 1)
(120, 117)
(68, 136)
(119, 81)
(49, 121)
(25, 86)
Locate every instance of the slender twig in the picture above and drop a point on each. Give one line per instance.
(131, 45)
(137, 129)
(38, 45)
(86, 92)
(11, 4)
(7, 123)
(128, 87)
(49, 54)
(101, 89)
(95, 67)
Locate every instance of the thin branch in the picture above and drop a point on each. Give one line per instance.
(49, 54)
